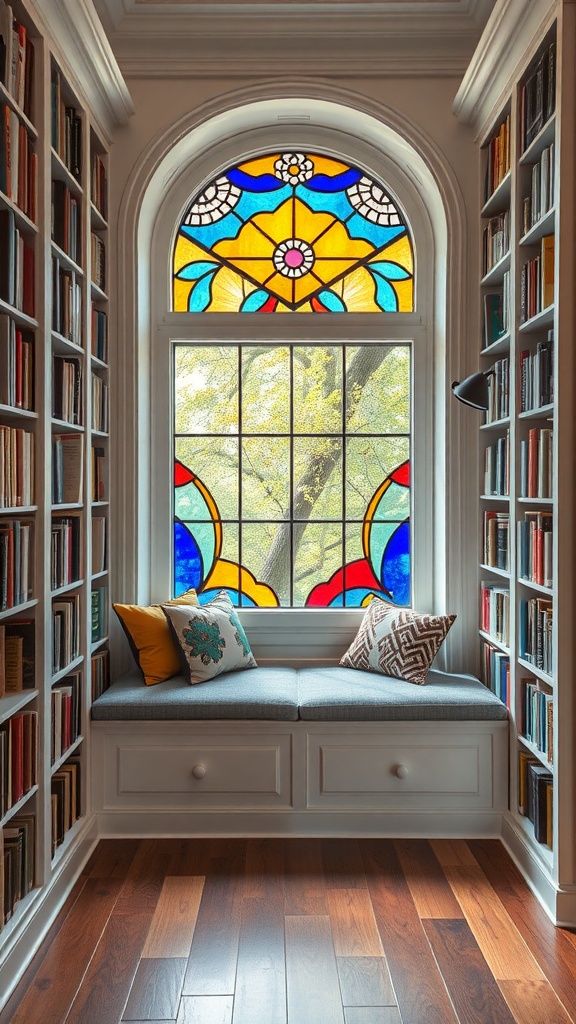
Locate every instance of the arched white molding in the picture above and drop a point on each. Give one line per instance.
(211, 136)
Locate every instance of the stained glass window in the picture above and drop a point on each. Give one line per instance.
(293, 232)
(292, 473)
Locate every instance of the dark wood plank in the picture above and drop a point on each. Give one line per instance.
(155, 992)
(372, 1015)
(551, 946)
(473, 990)
(260, 992)
(13, 1002)
(211, 967)
(342, 863)
(304, 887)
(313, 990)
(365, 981)
(417, 982)
(190, 857)
(52, 991)
(106, 984)
(112, 858)
(432, 895)
(205, 1010)
(353, 926)
(264, 867)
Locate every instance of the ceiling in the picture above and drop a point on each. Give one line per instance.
(180, 38)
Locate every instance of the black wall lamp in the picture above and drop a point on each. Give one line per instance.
(474, 390)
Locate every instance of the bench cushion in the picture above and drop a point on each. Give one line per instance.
(347, 694)
(268, 693)
(314, 694)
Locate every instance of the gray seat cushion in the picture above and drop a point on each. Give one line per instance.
(332, 694)
(347, 694)
(257, 693)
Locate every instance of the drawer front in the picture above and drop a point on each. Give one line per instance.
(222, 772)
(362, 772)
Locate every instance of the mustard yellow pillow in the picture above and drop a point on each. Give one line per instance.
(151, 639)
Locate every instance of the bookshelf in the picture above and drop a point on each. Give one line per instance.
(525, 134)
(54, 430)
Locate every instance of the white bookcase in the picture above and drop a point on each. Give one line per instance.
(54, 437)
(522, 107)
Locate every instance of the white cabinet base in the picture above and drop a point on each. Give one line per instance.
(299, 778)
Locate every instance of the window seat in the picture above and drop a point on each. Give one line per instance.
(300, 751)
(310, 694)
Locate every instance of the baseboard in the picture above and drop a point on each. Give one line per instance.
(558, 901)
(308, 824)
(25, 932)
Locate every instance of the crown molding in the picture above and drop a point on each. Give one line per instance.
(176, 40)
(498, 58)
(80, 45)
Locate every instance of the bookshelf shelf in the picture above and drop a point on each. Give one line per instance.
(496, 273)
(66, 261)
(545, 136)
(67, 753)
(7, 98)
(68, 669)
(542, 412)
(17, 315)
(493, 641)
(497, 347)
(531, 585)
(69, 588)
(12, 412)
(19, 806)
(543, 676)
(495, 424)
(535, 751)
(545, 318)
(22, 220)
(18, 609)
(97, 293)
(545, 226)
(11, 703)
(60, 172)
(97, 220)
(500, 198)
(65, 346)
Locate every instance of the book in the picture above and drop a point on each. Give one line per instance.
(539, 778)
(8, 261)
(547, 270)
(493, 318)
(20, 661)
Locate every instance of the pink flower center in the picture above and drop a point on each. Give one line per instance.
(293, 258)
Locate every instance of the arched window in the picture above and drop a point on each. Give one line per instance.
(293, 232)
(292, 460)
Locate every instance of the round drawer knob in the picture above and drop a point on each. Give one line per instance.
(400, 771)
(199, 771)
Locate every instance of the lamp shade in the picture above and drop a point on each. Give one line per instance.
(473, 390)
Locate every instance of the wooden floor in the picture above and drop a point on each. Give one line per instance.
(300, 931)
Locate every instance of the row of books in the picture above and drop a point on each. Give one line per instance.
(99, 184)
(16, 467)
(66, 707)
(537, 717)
(16, 364)
(495, 611)
(18, 162)
(497, 466)
(538, 96)
(17, 870)
(496, 672)
(535, 548)
(541, 197)
(16, 562)
(536, 463)
(499, 391)
(496, 312)
(99, 607)
(99, 334)
(99, 404)
(535, 796)
(496, 539)
(17, 656)
(99, 544)
(18, 758)
(535, 642)
(495, 240)
(537, 375)
(66, 221)
(65, 550)
(100, 669)
(98, 261)
(66, 800)
(537, 281)
(66, 127)
(16, 58)
(67, 469)
(66, 302)
(16, 265)
(65, 631)
(497, 158)
(67, 389)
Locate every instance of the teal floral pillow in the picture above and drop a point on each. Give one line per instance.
(211, 637)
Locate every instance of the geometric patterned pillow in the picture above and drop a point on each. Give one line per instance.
(211, 637)
(397, 641)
